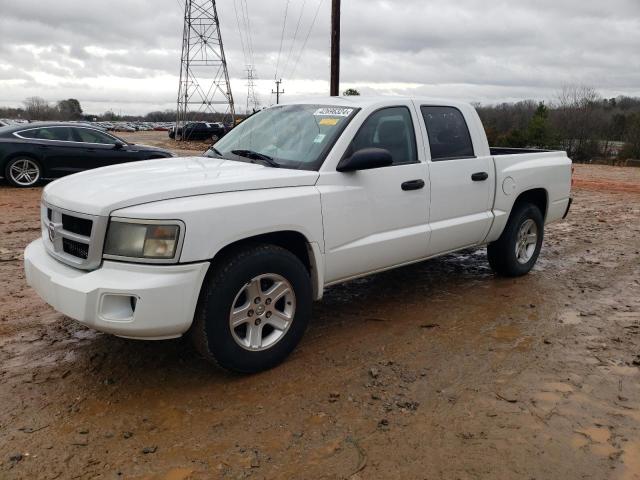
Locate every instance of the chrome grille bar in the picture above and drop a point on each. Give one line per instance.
(62, 244)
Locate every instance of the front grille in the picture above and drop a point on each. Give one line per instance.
(73, 238)
(81, 226)
(77, 249)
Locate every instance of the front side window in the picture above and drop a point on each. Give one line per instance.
(294, 136)
(87, 135)
(391, 129)
(448, 133)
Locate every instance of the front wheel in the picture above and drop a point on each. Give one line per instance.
(516, 251)
(253, 309)
(23, 172)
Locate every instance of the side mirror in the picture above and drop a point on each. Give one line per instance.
(118, 145)
(365, 159)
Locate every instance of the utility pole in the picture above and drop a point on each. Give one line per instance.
(335, 48)
(278, 92)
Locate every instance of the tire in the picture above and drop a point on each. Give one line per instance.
(23, 172)
(516, 251)
(255, 344)
(215, 138)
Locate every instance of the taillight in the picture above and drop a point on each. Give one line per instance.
(572, 170)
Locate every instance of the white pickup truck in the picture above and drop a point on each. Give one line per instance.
(233, 247)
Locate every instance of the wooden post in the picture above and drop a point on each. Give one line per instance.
(335, 48)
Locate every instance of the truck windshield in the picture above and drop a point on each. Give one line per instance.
(294, 136)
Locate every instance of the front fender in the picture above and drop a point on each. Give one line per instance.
(216, 220)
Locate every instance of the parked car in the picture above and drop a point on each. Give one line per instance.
(199, 131)
(36, 151)
(232, 249)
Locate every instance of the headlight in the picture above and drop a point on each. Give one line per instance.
(151, 241)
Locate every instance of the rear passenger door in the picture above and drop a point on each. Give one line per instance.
(56, 149)
(461, 181)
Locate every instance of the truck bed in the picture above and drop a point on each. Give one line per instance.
(514, 151)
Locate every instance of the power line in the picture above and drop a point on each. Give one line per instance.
(313, 22)
(284, 23)
(295, 34)
(244, 52)
(248, 29)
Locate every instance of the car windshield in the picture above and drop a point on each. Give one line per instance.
(293, 136)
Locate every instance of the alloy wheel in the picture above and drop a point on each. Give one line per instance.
(262, 312)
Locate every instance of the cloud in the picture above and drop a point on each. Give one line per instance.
(125, 55)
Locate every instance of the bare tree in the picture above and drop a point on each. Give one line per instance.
(37, 108)
(578, 119)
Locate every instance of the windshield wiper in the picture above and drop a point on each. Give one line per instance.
(256, 156)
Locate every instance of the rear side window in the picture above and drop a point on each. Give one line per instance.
(49, 133)
(389, 128)
(448, 133)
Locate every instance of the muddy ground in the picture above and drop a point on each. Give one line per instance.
(435, 371)
(162, 140)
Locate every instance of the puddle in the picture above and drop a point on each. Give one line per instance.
(506, 333)
(570, 317)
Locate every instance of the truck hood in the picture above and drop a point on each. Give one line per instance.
(103, 190)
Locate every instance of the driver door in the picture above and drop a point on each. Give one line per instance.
(98, 149)
(375, 219)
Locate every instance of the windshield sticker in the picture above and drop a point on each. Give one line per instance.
(329, 121)
(334, 111)
(319, 138)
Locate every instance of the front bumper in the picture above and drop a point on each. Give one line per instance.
(150, 302)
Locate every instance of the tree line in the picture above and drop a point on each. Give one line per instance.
(578, 120)
(39, 109)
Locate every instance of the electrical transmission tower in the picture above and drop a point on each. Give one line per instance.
(253, 102)
(204, 80)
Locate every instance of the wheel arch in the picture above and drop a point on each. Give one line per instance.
(293, 241)
(536, 196)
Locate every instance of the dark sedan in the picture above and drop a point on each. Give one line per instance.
(199, 131)
(36, 151)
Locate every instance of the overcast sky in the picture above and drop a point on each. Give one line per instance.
(124, 54)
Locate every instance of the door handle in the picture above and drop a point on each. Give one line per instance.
(479, 176)
(412, 185)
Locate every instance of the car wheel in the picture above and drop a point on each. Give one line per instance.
(23, 172)
(253, 309)
(215, 138)
(516, 251)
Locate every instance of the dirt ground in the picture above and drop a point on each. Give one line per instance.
(434, 371)
(162, 140)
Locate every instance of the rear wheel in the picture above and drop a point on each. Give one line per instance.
(23, 172)
(253, 309)
(516, 251)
